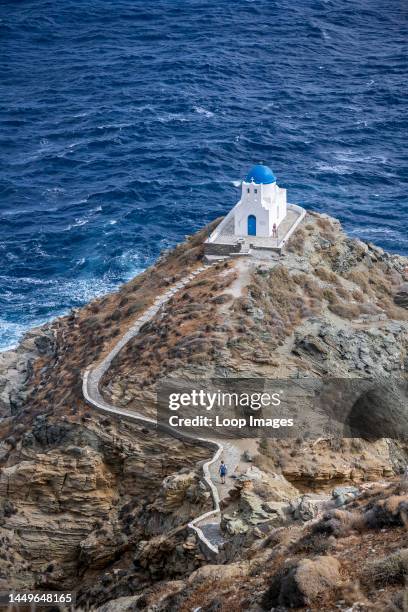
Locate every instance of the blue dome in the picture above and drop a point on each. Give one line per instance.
(260, 174)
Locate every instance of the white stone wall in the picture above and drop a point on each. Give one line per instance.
(281, 204)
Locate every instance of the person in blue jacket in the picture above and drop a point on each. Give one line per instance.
(223, 472)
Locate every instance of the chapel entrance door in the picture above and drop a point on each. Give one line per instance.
(251, 225)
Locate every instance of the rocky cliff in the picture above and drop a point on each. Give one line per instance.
(78, 490)
(101, 505)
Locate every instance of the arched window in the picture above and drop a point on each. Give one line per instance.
(248, 190)
(251, 225)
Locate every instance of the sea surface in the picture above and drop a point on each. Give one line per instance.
(126, 124)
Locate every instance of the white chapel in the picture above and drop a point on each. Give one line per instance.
(260, 220)
(262, 206)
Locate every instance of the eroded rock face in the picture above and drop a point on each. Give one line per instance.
(102, 546)
(176, 496)
(258, 499)
(16, 368)
(58, 501)
(401, 296)
(307, 507)
(344, 350)
(74, 505)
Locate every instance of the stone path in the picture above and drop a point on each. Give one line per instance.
(213, 533)
(206, 526)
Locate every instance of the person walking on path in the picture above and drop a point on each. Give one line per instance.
(223, 472)
(274, 231)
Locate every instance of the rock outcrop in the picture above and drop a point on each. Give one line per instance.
(16, 368)
(401, 296)
(300, 584)
(76, 496)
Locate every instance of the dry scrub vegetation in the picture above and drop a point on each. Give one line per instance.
(353, 280)
(272, 308)
(86, 334)
(188, 332)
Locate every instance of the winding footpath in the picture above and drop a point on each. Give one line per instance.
(206, 526)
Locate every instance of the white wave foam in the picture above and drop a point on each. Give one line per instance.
(172, 117)
(25, 280)
(348, 155)
(75, 292)
(336, 168)
(79, 222)
(54, 191)
(374, 231)
(116, 126)
(11, 333)
(203, 111)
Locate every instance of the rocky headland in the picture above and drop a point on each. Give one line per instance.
(100, 504)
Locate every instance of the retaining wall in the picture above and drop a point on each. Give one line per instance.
(211, 248)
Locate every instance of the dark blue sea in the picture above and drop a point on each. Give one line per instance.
(126, 124)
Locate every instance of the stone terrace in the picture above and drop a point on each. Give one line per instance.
(219, 243)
